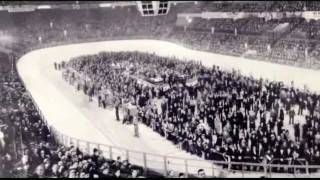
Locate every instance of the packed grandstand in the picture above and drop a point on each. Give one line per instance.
(209, 112)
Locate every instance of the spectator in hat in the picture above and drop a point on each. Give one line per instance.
(201, 173)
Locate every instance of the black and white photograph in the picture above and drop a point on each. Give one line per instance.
(159, 89)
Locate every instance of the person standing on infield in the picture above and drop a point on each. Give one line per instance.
(117, 109)
(136, 127)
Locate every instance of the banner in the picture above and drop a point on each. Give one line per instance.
(252, 52)
(240, 15)
(75, 6)
(24, 8)
(311, 15)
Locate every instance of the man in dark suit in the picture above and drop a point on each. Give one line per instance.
(55, 65)
(281, 116)
(297, 132)
(117, 105)
(292, 113)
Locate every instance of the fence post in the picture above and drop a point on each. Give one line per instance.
(212, 164)
(63, 139)
(127, 154)
(55, 136)
(145, 163)
(265, 169)
(270, 171)
(58, 137)
(67, 140)
(165, 165)
(242, 170)
(186, 167)
(110, 152)
(70, 141)
(78, 143)
(88, 147)
(307, 167)
(229, 164)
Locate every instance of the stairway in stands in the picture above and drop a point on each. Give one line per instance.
(284, 34)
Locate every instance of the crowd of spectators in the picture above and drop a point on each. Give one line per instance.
(290, 41)
(70, 162)
(28, 148)
(20, 124)
(226, 36)
(259, 6)
(222, 115)
(235, 37)
(148, 67)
